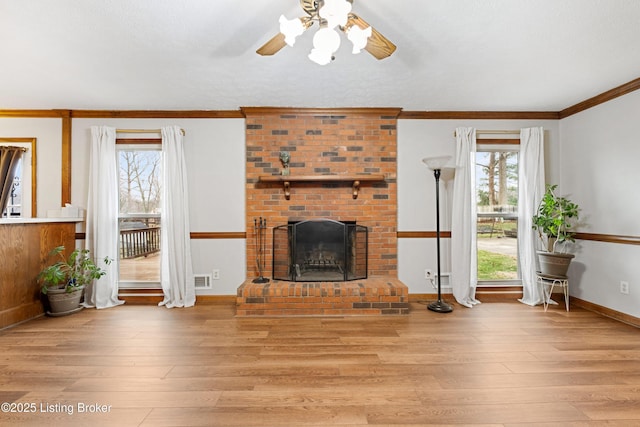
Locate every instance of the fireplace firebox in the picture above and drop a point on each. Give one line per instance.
(320, 250)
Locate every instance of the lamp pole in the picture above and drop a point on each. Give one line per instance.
(436, 164)
(438, 306)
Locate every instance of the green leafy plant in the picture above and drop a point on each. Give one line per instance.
(554, 220)
(71, 273)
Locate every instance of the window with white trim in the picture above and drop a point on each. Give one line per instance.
(139, 218)
(497, 206)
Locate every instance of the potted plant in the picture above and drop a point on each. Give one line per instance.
(63, 282)
(554, 220)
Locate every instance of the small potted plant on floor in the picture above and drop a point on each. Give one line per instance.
(554, 221)
(64, 281)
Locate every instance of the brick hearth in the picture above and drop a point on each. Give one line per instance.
(372, 296)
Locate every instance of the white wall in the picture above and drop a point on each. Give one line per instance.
(599, 155)
(215, 152)
(48, 134)
(416, 188)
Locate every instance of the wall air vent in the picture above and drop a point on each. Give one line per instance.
(202, 281)
(444, 283)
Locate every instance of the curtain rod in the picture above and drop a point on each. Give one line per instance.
(13, 147)
(495, 132)
(143, 131)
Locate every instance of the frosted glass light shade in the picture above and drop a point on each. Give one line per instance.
(435, 163)
(358, 37)
(320, 57)
(335, 12)
(291, 28)
(325, 42)
(326, 39)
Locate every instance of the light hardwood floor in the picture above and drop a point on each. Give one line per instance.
(498, 364)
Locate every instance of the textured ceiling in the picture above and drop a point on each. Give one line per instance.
(488, 55)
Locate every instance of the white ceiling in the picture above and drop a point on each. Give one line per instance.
(485, 55)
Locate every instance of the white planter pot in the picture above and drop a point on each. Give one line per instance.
(554, 264)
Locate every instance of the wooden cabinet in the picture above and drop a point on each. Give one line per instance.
(24, 249)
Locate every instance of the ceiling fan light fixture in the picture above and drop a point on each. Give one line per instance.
(358, 37)
(331, 15)
(291, 28)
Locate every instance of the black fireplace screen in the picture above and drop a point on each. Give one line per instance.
(319, 250)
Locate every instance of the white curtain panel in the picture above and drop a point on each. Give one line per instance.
(531, 190)
(102, 217)
(464, 260)
(176, 266)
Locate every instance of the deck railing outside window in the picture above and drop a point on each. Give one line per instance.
(139, 236)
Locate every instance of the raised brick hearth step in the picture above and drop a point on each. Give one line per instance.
(372, 296)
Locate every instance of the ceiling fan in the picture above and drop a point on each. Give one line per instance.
(330, 15)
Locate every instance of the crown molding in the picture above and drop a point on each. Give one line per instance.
(479, 115)
(616, 92)
(158, 114)
(398, 113)
(36, 113)
(263, 111)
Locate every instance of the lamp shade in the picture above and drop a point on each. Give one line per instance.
(435, 163)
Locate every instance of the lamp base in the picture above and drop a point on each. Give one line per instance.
(440, 307)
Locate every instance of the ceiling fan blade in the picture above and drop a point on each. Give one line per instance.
(272, 46)
(279, 41)
(378, 45)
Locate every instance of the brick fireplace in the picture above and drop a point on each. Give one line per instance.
(342, 167)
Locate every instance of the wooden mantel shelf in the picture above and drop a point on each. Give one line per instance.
(286, 180)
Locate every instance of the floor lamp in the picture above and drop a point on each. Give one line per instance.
(436, 164)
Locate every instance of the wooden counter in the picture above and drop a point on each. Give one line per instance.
(24, 248)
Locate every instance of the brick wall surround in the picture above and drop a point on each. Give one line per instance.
(324, 142)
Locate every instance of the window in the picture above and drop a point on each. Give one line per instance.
(497, 202)
(139, 183)
(22, 200)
